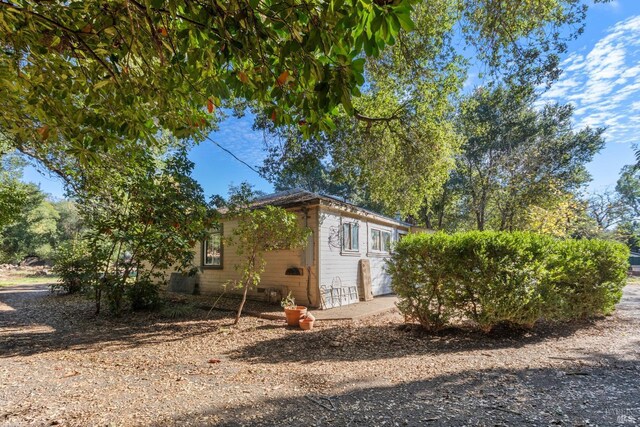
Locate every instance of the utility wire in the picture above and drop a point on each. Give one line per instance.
(234, 156)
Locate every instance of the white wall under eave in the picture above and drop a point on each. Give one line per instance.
(341, 267)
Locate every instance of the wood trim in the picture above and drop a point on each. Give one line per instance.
(213, 267)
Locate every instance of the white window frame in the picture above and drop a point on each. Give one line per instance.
(381, 233)
(347, 230)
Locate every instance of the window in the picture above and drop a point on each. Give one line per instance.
(380, 240)
(376, 242)
(212, 249)
(350, 236)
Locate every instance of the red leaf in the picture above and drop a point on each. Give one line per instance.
(214, 361)
(44, 131)
(273, 115)
(282, 79)
(210, 106)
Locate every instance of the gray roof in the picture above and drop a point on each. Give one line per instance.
(298, 196)
(286, 198)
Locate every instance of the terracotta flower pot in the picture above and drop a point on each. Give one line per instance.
(306, 321)
(294, 313)
(306, 324)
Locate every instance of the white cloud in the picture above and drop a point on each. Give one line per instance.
(238, 136)
(603, 83)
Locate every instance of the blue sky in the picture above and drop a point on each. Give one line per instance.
(601, 79)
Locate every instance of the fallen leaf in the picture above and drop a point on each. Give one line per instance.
(214, 361)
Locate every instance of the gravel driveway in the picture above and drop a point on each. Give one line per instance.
(61, 366)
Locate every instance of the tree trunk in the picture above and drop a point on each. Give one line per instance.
(98, 299)
(244, 299)
(480, 221)
(250, 274)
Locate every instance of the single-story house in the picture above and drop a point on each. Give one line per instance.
(342, 263)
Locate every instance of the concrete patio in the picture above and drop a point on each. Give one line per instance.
(359, 310)
(362, 309)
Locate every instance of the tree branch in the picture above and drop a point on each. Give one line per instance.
(368, 119)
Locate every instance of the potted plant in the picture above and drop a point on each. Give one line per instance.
(292, 311)
(306, 321)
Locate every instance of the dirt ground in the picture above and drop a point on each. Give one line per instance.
(61, 366)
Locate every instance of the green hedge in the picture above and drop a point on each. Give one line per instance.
(491, 278)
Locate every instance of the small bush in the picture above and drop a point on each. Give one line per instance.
(144, 295)
(492, 278)
(176, 311)
(500, 275)
(113, 289)
(71, 262)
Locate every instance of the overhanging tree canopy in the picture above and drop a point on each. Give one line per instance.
(88, 74)
(89, 71)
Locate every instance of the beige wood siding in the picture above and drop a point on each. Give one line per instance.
(213, 281)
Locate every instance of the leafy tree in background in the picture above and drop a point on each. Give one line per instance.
(70, 224)
(607, 209)
(34, 233)
(27, 219)
(628, 187)
(394, 142)
(398, 146)
(628, 193)
(30, 222)
(14, 194)
(307, 166)
(515, 157)
(628, 232)
(562, 215)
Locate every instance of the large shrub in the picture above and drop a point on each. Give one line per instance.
(492, 278)
(141, 221)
